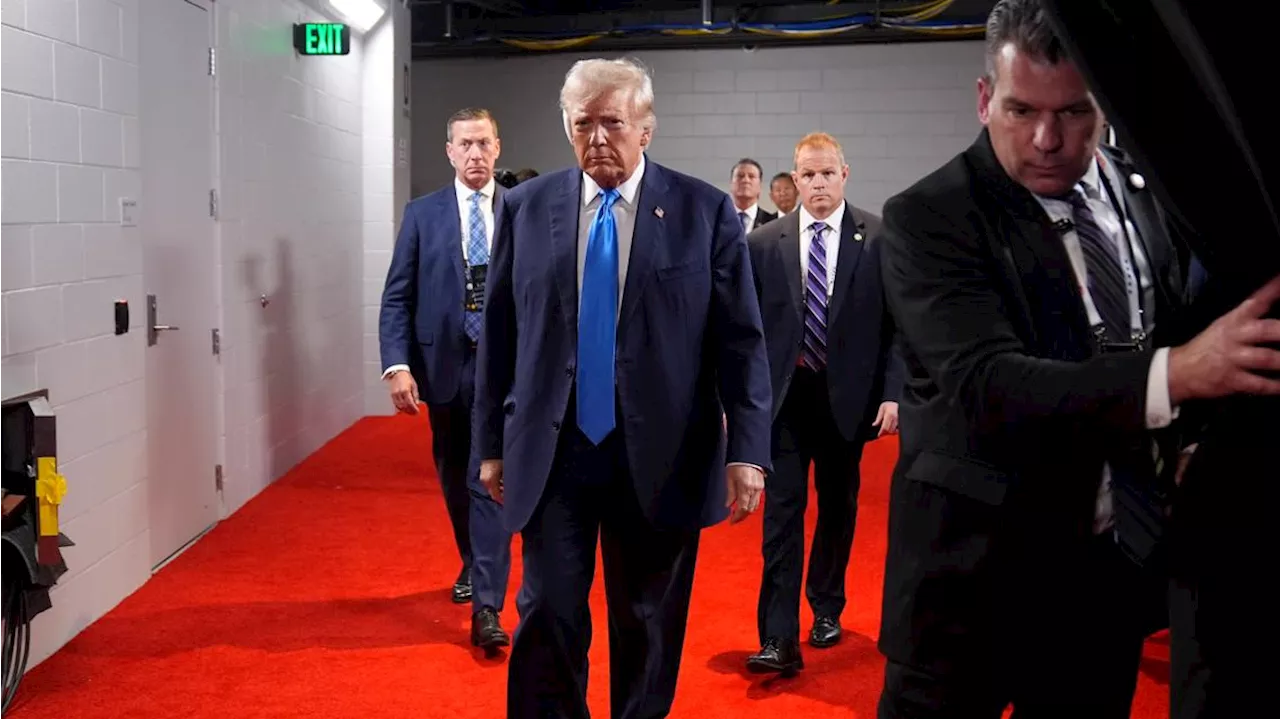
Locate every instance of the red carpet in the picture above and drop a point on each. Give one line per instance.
(328, 596)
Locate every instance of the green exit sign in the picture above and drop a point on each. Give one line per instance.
(322, 38)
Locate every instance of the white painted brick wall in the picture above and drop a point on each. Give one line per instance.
(70, 110)
(292, 213)
(899, 110)
(386, 184)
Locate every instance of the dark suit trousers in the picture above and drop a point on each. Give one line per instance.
(648, 577)
(1064, 642)
(805, 432)
(485, 547)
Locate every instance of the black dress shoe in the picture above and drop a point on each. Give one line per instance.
(777, 656)
(462, 587)
(486, 630)
(825, 633)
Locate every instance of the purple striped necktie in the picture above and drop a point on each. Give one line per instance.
(814, 351)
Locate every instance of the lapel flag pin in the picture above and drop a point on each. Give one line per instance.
(857, 237)
(658, 211)
(1137, 181)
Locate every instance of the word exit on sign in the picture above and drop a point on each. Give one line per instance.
(322, 38)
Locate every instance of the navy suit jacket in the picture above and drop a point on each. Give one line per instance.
(421, 323)
(863, 369)
(690, 348)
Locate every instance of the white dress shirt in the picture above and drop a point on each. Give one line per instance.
(831, 238)
(750, 212)
(1159, 410)
(464, 194)
(624, 215)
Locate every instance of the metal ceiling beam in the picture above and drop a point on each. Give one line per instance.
(501, 7)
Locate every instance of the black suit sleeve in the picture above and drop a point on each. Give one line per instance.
(942, 289)
(496, 349)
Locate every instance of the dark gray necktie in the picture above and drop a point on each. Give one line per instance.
(1106, 277)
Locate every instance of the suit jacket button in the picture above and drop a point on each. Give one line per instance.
(568, 371)
(555, 426)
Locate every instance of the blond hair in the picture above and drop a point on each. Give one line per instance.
(818, 141)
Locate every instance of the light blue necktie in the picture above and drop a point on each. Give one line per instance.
(477, 254)
(598, 324)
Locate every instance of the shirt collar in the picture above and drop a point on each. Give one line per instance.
(833, 222)
(465, 193)
(627, 189)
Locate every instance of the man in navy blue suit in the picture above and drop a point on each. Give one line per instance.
(836, 384)
(621, 340)
(430, 320)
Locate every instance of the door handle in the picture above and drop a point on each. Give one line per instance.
(154, 329)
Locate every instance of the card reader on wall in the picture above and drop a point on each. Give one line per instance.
(122, 316)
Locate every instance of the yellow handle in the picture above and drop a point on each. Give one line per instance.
(51, 487)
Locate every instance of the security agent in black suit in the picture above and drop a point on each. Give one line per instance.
(744, 188)
(1027, 497)
(1174, 77)
(817, 273)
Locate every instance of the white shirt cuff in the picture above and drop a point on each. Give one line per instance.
(404, 367)
(1159, 412)
(745, 464)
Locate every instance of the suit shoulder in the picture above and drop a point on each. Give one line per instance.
(431, 198)
(699, 190)
(539, 186)
(765, 234)
(945, 191)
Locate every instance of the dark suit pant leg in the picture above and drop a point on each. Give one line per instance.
(648, 575)
(1097, 613)
(836, 478)
(451, 449)
(1069, 647)
(785, 500)
(1222, 630)
(547, 673)
(490, 543)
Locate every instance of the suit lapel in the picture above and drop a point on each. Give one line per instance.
(789, 246)
(1032, 249)
(452, 229)
(649, 234)
(852, 228)
(565, 210)
(1139, 209)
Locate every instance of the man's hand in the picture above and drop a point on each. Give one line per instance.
(404, 392)
(887, 419)
(746, 484)
(1227, 357)
(491, 478)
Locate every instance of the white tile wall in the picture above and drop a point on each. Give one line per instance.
(63, 142)
(290, 218)
(291, 184)
(899, 110)
(379, 187)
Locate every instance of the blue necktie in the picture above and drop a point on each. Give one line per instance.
(598, 324)
(477, 254)
(814, 351)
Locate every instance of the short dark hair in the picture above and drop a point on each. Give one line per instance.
(783, 176)
(1025, 24)
(746, 161)
(527, 173)
(468, 114)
